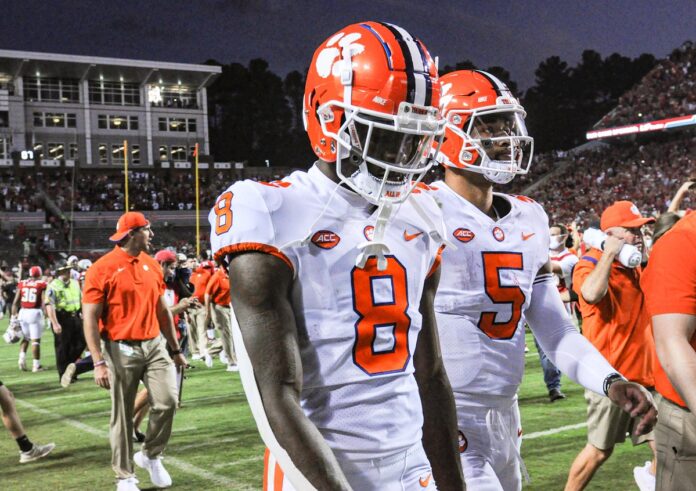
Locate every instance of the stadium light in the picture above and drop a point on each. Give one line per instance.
(659, 125)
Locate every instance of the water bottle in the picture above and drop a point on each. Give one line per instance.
(629, 255)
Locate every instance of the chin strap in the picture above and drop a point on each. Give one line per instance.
(438, 234)
(376, 247)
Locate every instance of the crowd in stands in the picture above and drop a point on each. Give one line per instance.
(648, 175)
(19, 193)
(104, 192)
(666, 91)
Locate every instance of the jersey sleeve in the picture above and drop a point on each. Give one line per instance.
(93, 291)
(241, 221)
(583, 268)
(536, 218)
(669, 281)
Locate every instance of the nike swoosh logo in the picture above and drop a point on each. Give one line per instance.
(527, 236)
(120, 269)
(409, 237)
(424, 482)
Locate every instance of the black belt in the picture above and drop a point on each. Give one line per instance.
(71, 314)
(129, 342)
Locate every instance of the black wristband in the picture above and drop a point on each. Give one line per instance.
(175, 352)
(611, 378)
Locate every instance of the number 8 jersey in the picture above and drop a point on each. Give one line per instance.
(357, 327)
(485, 287)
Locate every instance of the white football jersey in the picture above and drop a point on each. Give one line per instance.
(567, 260)
(357, 327)
(485, 287)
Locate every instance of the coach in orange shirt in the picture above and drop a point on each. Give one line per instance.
(217, 307)
(615, 321)
(123, 305)
(669, 283)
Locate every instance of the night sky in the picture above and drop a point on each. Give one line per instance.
(516, 35)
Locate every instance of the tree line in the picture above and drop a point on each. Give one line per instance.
(255, 115)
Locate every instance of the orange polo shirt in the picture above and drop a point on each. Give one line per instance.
(669, 284)
(199, 280)
(618, 325)
(129, 289)
(219, 288)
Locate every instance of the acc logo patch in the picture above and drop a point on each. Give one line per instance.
(369, 232)
(463, 444)
(498, 234)
(463, 235)
(326, 239)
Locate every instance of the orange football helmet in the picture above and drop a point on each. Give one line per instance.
(371, 105)
(485, 130)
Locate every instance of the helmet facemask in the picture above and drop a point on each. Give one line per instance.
(495, 142)
(382, 156)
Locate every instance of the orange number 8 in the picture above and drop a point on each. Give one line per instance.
(223, 212)
(390, 314)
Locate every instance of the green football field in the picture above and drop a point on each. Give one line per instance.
(215, 445)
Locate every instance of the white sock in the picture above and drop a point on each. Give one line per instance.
(211, 333)
(22, 355)
(36, 363)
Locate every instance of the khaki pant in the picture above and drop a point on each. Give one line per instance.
(129, 363)
(607, 423)
(675, 438)
(223, 322)
(199, 336)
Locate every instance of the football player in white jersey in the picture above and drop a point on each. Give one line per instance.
(333, 274)
(498, 277)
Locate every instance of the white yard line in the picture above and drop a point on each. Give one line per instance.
(173, 461)
(553, 431)
(248, 460)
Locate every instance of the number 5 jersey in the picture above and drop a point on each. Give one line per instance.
(357, 327)
(485, 287)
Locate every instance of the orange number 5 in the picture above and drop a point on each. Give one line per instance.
(380, 298)
(223, 212)
(513, 296)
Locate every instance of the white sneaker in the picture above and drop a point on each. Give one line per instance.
(223, 358)
(68, 375)
(196, 357)
(158, 474)
(644, 479)
(22, 364)
(208, 360)
(37, 368)
(128, 484)
(36, 452)
(232, 368)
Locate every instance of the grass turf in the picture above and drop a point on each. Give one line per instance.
(215, 445)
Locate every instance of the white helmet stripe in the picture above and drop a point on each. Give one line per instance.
(421, 89)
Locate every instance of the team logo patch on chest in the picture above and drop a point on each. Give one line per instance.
(463, 235)
(498, 234)
(326, 239)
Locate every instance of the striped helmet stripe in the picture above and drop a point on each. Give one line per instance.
(419, 86)
(495, 82)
